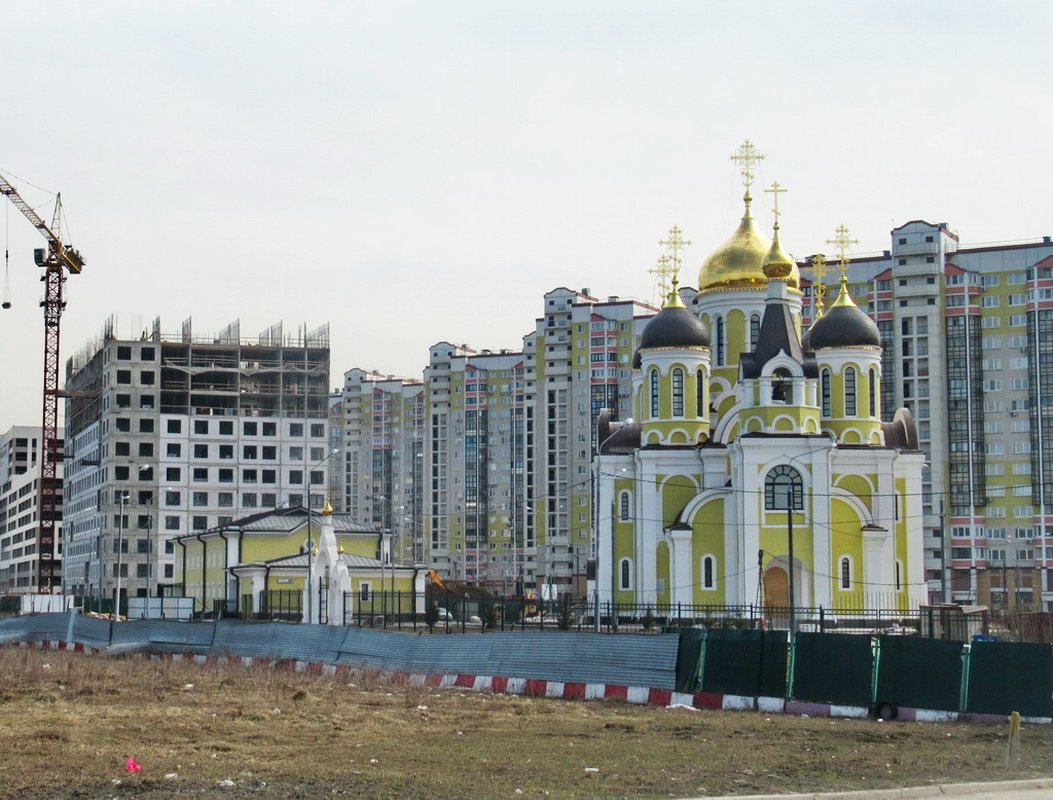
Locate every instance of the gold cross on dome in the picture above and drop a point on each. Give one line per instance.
(662, 270)
(819, 270)
(675, 242)
(775, 190)
(842, 242)
(747, 156)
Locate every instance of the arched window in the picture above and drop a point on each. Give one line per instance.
(626, 574)
(850, 391)
(720, 341)
(678, 392)
(700, 393)
(780, 484)
(824, 388)
(873, 392)
(846, 573)
(754, 330)
(709, 572)
(623, 506)
(899, 568)
(654, 394)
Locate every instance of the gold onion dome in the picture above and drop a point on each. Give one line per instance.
(739, 262)
(778, 264)
(328, 510)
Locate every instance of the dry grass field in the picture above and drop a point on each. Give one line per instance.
(68, 724)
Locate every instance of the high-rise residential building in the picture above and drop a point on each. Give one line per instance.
(509, 438)
(967, 349)
(382, 459)
(172, 434)
(20, 552)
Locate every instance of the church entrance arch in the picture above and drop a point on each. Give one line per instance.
(776, 588)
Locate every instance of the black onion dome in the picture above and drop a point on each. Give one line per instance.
(843, 326)
(673, 326)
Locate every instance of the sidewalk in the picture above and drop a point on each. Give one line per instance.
(1029, 789)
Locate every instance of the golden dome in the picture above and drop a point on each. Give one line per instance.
(778, 264)
(739, 262)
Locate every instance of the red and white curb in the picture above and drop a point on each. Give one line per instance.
(565, 690)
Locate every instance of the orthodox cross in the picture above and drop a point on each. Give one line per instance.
(819, 270)
(747, 156)
(675, 242)
(662, 270)
(842, 242)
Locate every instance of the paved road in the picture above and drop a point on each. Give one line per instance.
(1034, 789)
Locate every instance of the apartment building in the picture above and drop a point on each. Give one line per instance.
(381, 464)
(175, 434)
(966, 344)
(20, 552)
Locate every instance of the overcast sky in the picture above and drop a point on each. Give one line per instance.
(412, 172)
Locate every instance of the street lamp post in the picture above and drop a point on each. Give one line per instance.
(120, 547)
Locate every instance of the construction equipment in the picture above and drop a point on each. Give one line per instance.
(56, 260)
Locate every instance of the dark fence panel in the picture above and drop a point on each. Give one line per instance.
(833, 669)
(1009, 676)
(750, 663)
(919, 673)
(688, 659)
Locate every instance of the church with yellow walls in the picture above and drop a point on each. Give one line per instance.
(756, 459)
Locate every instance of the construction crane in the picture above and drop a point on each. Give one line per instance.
(56, 260)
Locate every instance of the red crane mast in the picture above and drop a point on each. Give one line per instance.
(55, 261)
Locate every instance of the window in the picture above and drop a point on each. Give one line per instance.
(296, 454)
(226, 451)
(780, 484)
(872, 390)
(173, 450)
(171, 522)
(226, 476)
(199, 523)
(122, 449)
(226, 427)
(317, 430)
(201, 426)
(146, 449)
(175, 426)
(700, 394)
(172, 498)
(678, 392)
(146, 425)
(249, 476)
(173, 474)
(146, 377)
(200, 451)
(249, 428)
(200, 499)
(269, 476)
(824, 380)
(709, 573)
(623, 506)
(124, 376)
(754, 330)
(270, 452)
(296, 429)
(720, 341)
(200, 474)
(846, 572)
(249, 452)
(249, 500)
(626, 574)
(226, 499)
(850, 391)
(270, 428)
(123, 425)
(654, 394)
(295, 476)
